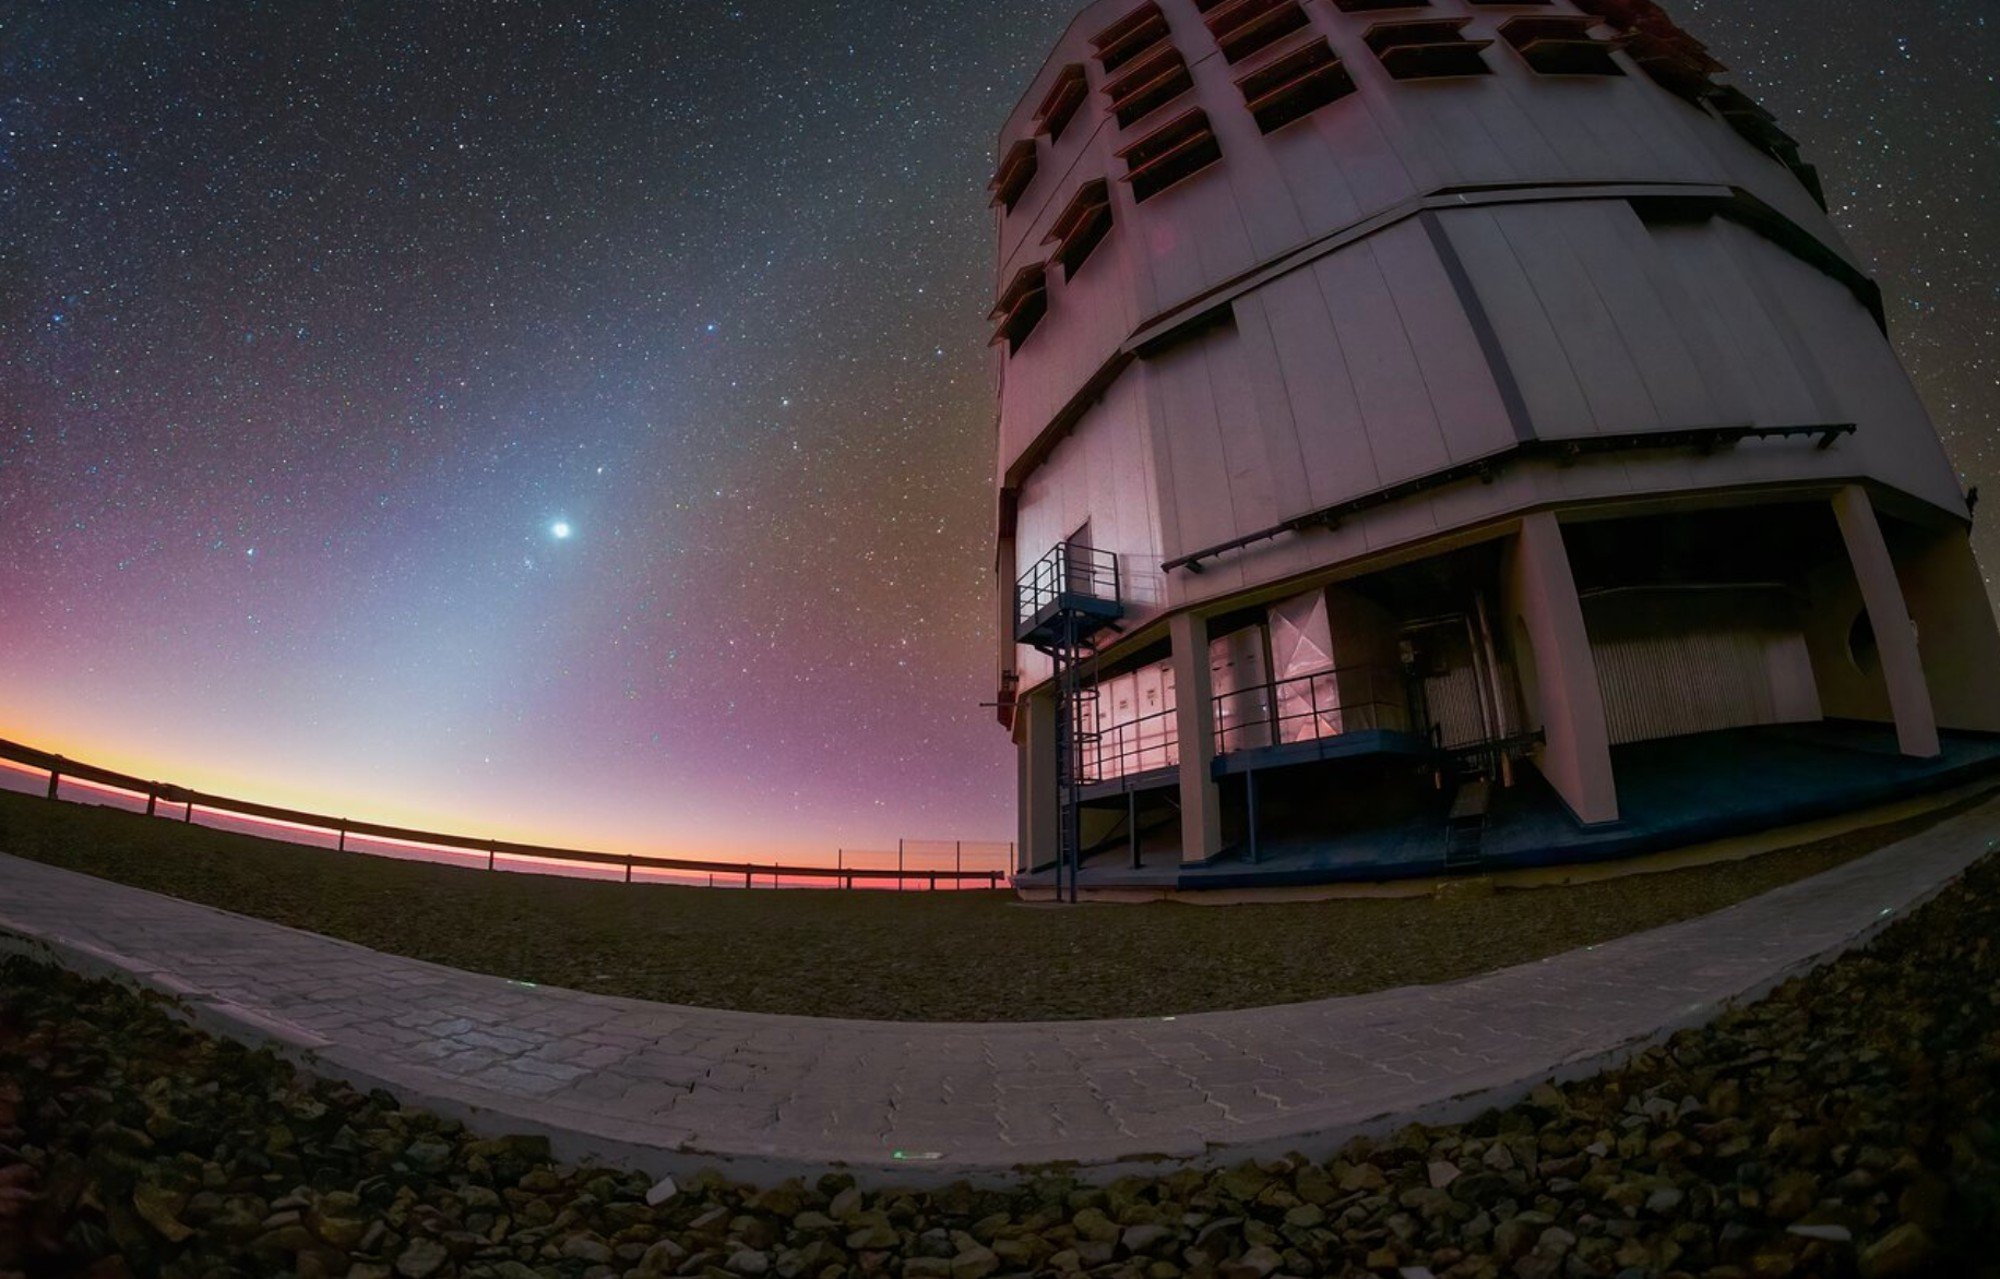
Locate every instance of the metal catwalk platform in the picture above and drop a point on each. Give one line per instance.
(1742, 782)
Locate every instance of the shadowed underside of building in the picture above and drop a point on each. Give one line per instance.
(1446, 436)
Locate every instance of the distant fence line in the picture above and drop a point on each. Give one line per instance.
(719, 873)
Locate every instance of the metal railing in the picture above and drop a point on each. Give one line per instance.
(1312, 708)
(496, 851)
(1079, 572)
(1304, 708)
(1136, 746)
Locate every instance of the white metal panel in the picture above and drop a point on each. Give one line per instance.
(1333, 437)
(1563, 290)
(1457, 377)
(1193, 431)
(1617, 266)
(1526, 336)
(1302, 646)
(1242, 689)
(1403, 431)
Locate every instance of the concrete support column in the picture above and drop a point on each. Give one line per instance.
(1954, 616)
(1194, 724)
(1576, 755)
(1038, 802)
(1889, 615)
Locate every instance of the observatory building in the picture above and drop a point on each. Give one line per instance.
(1448, 435)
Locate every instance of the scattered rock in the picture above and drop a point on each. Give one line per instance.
(421, 1259)
(1768, 1143)
(1906, 1250)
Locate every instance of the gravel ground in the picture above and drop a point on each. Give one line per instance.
(972, 956)
(1845, 1126)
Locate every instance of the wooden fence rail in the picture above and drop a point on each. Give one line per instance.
(188, 800)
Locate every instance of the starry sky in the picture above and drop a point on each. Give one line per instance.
(570, 422)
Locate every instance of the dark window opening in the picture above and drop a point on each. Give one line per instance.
(1427, 49)
(1016, 171)
(1670, 56)
(1561, 46)
(1151, 82)
(1021, 307)
(1065, 99)
(1295, 86)
(1244, 27)
(1177, 150)
(1082, 227)
(1135, 33)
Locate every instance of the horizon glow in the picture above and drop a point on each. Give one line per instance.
(302, 396)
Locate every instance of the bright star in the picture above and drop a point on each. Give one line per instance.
(560, 530)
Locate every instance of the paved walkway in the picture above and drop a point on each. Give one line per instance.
(668, 1088)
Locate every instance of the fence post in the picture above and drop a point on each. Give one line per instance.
(152, 803)
(628, 870)
(958, 857)
(492, 854)
(341, 847)
(899, 865)
(188, 816)
(747, 872)
(55, 778)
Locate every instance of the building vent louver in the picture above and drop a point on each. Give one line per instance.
(1427, 49)
(1561, 46)
(1021, 307)
(1295, 85)
(1135, 33)
(1066, 96)
(1177, 150)
(1082, 226)
(1017, 170)
(1244, 27)
(1148, 83)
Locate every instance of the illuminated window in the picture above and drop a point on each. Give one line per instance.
(1016, 171)
(1135, 33)
(1021, 307)
(1244, 27)
(1427, 49)
(1295, 86)
(1148, 83)
(1065, 99)
(1082, 226)
(1179, 149)
(1561, 46)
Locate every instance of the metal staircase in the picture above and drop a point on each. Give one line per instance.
(1062, 605)
(1465, 828)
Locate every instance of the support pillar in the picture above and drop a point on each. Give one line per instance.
(1576, 753)
(1889, 615)
(1039, 801)
(1954, 615)
(1194, 724)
